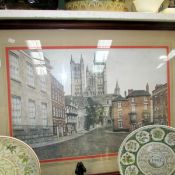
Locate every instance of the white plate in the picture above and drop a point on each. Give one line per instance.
(17, 158)
(149, 150)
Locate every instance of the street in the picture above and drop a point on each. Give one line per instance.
(98, 141)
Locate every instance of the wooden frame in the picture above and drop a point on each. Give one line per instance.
(102, 97)
(84, 25)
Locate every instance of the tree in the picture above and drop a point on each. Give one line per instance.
(99, 114)
(95, 113)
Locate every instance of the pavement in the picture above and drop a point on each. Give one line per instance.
(97, 141)
(57, 139)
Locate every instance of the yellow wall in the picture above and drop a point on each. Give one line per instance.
(80, 38)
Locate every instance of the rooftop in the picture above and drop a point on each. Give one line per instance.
(138, 93)
(119, 98)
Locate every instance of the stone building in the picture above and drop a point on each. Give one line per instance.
(79, 103)
(93, 83)
(30, 95)
(58, 107)
(71, 115)
(77, 77)
(81, 111)
(96, 83)
(160, 104)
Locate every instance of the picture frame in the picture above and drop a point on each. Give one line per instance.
(90, 28)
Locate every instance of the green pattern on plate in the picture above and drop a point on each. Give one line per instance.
(149, 150)
(157, 134)
(17, 158)
(128, 158)
(131, 170)
(170, 138)
(132, 146)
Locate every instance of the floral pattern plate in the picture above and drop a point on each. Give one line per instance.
(149, 150)
(17, 158)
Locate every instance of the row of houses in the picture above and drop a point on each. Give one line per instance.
(139, 108)
(39, 107)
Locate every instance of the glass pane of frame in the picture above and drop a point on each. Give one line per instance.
(76, 94)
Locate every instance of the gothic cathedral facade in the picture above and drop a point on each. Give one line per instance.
(77, 77)
(93, 83)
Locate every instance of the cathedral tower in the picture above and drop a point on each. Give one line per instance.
(90, 83)
(96, 83)
(77, 77)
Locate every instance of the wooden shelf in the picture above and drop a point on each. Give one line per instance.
(66, 19)
(84, 15)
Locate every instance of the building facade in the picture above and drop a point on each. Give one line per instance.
(160, 104)
(71, 115)
(120, 111)
(30, 95)
(140, 108)
(96, 83)
(133, 110)
(77, 77)
(78, 105)
(58, 107)
(93, 83)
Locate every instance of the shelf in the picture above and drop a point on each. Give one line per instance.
(84, 15)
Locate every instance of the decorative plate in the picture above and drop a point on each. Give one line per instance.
(149, 150)
(17, 158)
(98, 5)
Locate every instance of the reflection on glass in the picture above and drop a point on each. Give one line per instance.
(104, 43)
(33, 44)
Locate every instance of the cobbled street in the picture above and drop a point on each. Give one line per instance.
(98, 141)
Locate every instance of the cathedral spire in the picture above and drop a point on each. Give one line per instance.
(147, 87)
(117, 89)
(71, 60)
(94, 59)
(81, 59)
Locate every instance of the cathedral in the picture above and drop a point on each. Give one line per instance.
(77, 77)
(90, 83)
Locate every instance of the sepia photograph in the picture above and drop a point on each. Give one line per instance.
(69, 102)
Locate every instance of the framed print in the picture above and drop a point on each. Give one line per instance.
(75, 94)
(82, 96)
